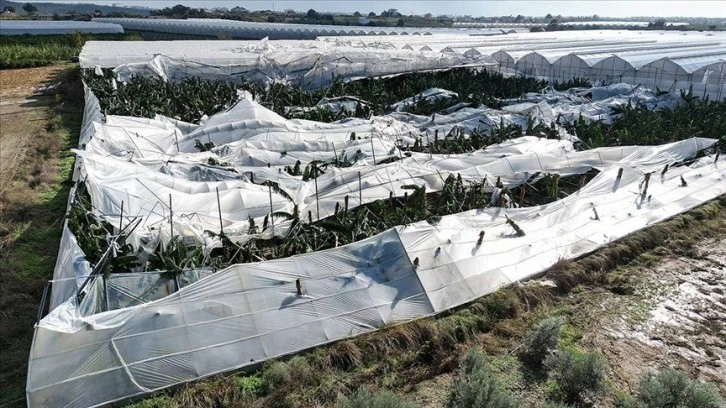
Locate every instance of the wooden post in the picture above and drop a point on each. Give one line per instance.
(219, 209)
(171, 219)
(272, 217)
(373, 151)
(121, 218)
(317, 200)
(521, 195)
(645, 186)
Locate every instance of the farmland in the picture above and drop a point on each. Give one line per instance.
(28, 51)
(176, 207)
(634, 125)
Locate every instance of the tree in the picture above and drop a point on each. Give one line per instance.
(519, 19)
(391, 13)
(312, 13)
(400, 23)
(658, 24)
(371, 14)
(548, 17)
(356, 14)
(553, 25)
(9, 9)
(29, 8)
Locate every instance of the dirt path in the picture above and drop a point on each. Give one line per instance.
(676, 318)
(37, 122)
(24, 115)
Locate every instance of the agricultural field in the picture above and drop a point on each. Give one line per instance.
(519, 346)
(26, 51)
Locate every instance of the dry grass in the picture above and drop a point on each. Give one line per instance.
(34, 181)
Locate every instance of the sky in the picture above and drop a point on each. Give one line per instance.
(624, 8)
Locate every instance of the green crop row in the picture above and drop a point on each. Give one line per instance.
(26, 51)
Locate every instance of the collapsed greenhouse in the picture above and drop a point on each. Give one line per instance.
(234, 179)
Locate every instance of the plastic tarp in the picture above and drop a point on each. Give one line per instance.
(144, 164)
(250, 312)
(608, 55)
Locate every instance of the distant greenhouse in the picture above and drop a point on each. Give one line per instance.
(34, 27)
(255, 30)
(668, 61)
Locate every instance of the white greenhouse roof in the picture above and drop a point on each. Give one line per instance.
(256, 30)
(37, 27)
(593, 55)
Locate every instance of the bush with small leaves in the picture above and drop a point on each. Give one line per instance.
(541, 340)
(381, 399)
(297, 372)
(477, 387)
(575, 373)
(671, 389)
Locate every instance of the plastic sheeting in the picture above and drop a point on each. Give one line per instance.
(39, 27)
(87, 352)
(250, 312)
(613, 56)
(142, 162)
(255, 30)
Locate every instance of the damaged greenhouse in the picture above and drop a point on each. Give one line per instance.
(261, 222)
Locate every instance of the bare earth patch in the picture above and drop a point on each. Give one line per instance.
(28, 142)
(676, 318)
(21, 83)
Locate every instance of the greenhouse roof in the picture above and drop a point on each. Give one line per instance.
(36, 27)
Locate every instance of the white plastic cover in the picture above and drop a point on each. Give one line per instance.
(607, 55)
(250, 312)
(40, 27)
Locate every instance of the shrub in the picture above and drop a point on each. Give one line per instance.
(540, 340)
(477, 387)
(671, 389)
(250, 386)
(278, 374)
(381, 399)
(575, 372)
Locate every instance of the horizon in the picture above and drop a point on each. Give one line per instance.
(484, 8)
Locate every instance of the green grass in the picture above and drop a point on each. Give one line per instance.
(26, 51)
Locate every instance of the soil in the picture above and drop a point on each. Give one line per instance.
(673, 316)
(24, 112)
(676, 318)
(22, 83)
